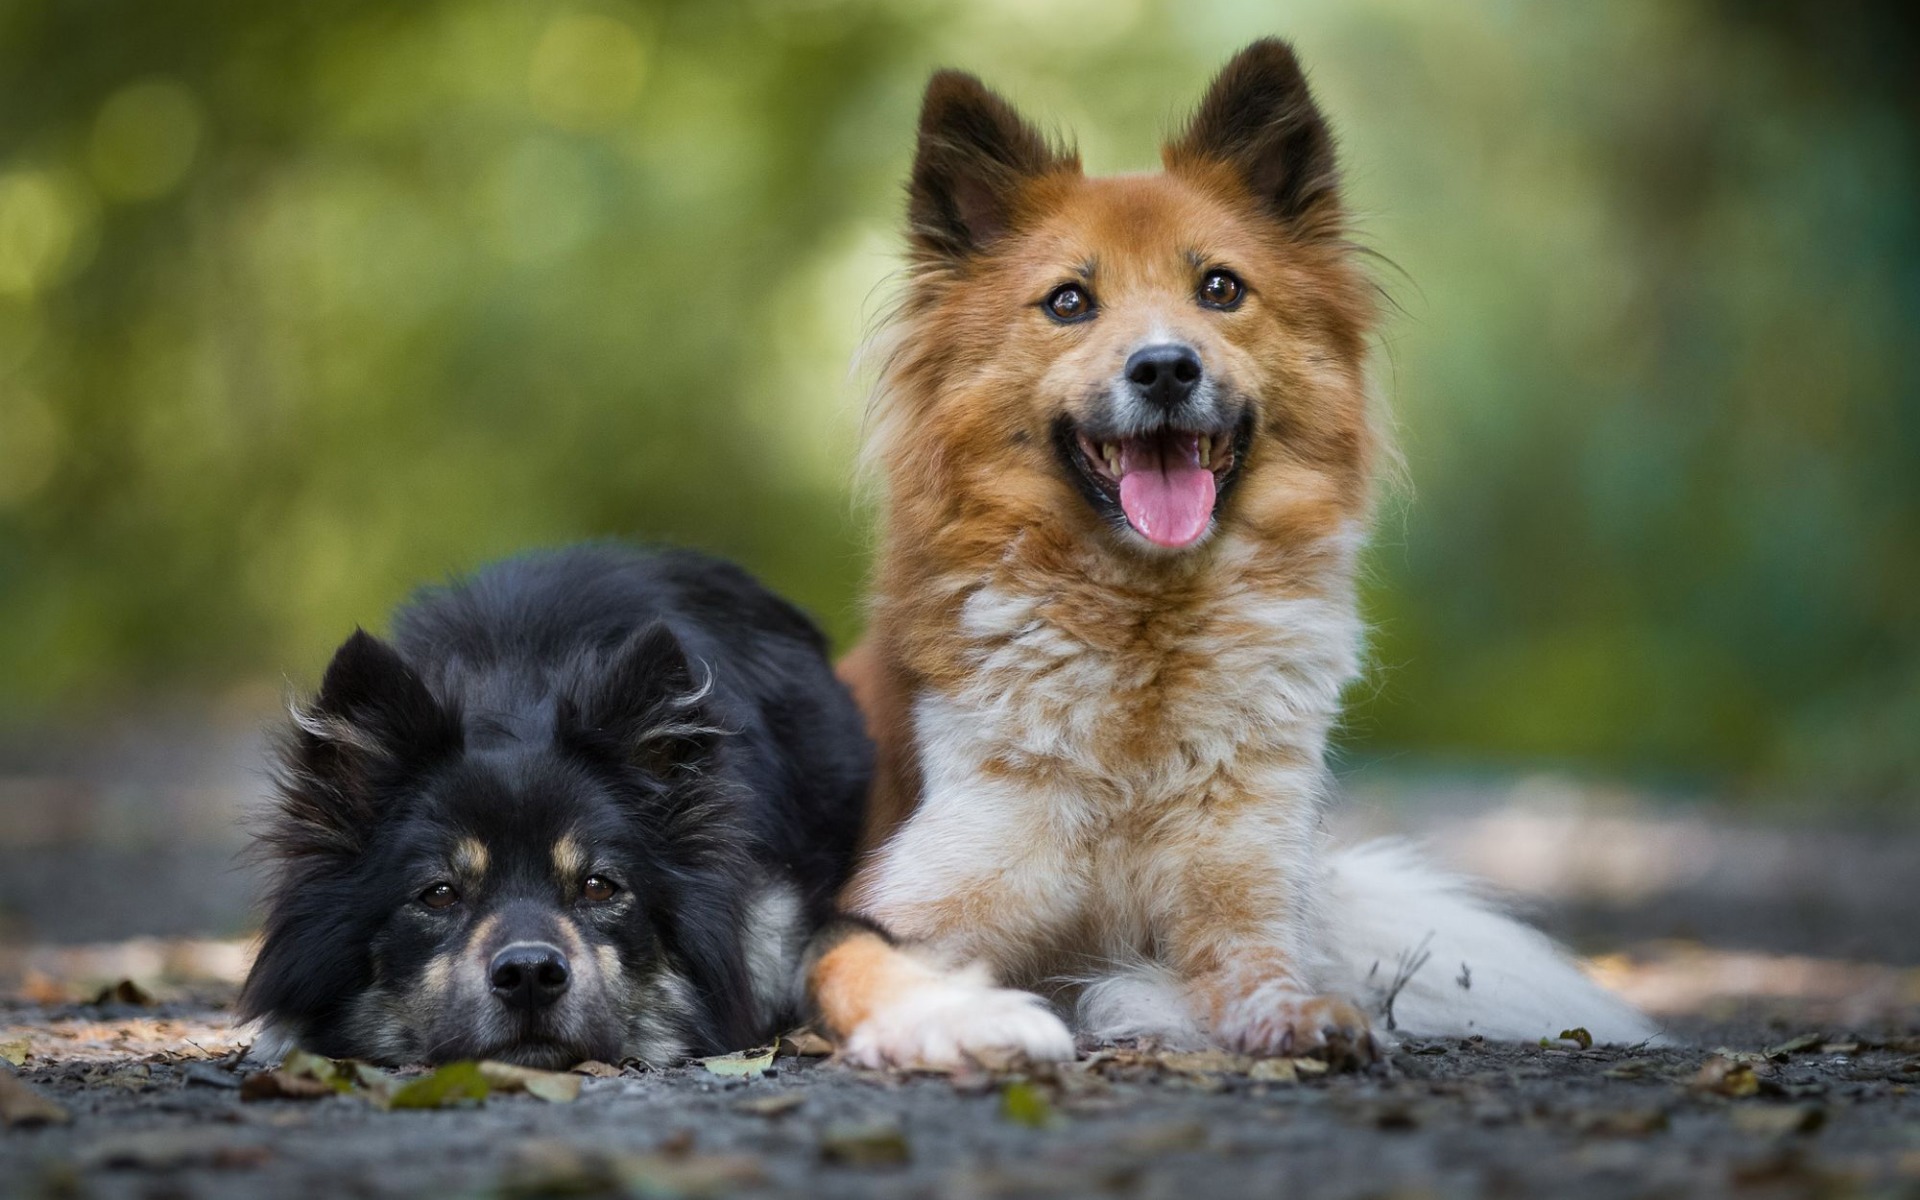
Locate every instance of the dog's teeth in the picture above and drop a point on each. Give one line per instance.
(1206, 452)
(1111, 453)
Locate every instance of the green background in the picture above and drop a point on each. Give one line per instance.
(302, 304)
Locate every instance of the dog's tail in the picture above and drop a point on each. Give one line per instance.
(1434, 957)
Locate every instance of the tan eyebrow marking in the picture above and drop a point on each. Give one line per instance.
(470, 857)
(568, 859)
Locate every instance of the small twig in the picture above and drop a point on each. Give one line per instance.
(1410, 963)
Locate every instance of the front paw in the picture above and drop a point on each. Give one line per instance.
(1276, 1019)
(956, 1022)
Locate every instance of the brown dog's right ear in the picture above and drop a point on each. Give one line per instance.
(975, 154)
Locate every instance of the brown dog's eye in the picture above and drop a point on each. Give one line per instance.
(440, 895)
(1069, 302)
(1220, 289)
(598, 889)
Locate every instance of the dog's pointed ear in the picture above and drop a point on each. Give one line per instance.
(647, 708)
(372, 701)
(374, 718)
(975, 155)
(1259, 120)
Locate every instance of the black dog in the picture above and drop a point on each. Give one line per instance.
(589, 804)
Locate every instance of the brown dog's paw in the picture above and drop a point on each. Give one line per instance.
(1275, 1019)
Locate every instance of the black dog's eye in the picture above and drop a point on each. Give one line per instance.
(1221, 289)
(598, 889)
(440, 895)
(1069, 302)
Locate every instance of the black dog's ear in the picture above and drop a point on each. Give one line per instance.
(646, 708)
(373, 718)
(1260, 120)
(373, 702)
(974, 156)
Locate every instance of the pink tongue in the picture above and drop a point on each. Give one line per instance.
(1168, 497)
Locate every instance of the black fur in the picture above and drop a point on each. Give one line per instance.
(661, 712)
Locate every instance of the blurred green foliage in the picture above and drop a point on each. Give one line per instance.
(304, 303)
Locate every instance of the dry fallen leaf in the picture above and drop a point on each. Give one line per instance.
(804, 1043)
(1276, 1070)
(14, 1053)
(746, 1064)
(22, 1105)
(1204, 1062)
(1798, 1045)
(455, 1083)
(1632, 1068)
(596, 1069)
(1724, 1076)
(555, 1087)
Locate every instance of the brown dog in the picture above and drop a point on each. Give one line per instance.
(1124, 431)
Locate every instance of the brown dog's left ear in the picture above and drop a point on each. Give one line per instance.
(975, 153)
(1259, 119)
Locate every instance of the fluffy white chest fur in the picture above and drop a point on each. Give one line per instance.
(1070, 784)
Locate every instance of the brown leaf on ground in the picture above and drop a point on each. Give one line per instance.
(1798, 1045)
(1204, 1062)
(1633, 1068)
(555, 1087)
(804, 1043)
(596, 1069)
(1725, 1076)
(20, 1104)
(1274, 1070)
(14, 1053)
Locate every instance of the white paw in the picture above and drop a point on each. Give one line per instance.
(1277, 1019)
(954, 1022)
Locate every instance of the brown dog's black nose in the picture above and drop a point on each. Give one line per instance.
(1164, 375)
(529, 975)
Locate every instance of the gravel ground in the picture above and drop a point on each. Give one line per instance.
(155, 1108)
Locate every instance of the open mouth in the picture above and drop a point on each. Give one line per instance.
(1166, 485)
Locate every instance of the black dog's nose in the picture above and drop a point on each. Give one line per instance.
(530, 975)
(1165, 374)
